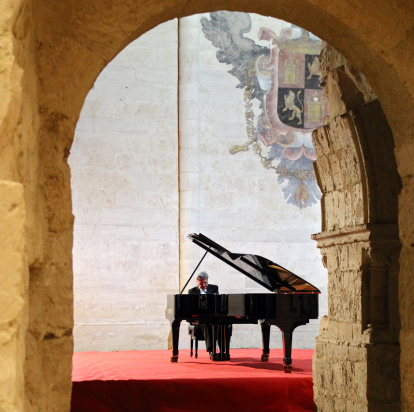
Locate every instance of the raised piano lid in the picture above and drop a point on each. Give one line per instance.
(262, 270)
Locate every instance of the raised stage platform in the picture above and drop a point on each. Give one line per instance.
(147, 381)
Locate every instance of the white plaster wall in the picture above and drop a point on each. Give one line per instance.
(233, 199)
(133, 200)
(125, 198)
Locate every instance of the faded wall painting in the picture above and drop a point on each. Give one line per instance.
(284, 78)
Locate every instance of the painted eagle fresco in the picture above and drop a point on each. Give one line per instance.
(226, 31)
(285, 79)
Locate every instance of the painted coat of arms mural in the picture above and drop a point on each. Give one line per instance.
(285, 78)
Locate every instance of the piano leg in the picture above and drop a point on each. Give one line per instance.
(266, 340)
(227, 336)
(221, 336)
(214, 355)
(287, 334)
(175, 329)
(191, 347)
(222, 344)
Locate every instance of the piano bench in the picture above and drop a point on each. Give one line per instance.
(196, 333)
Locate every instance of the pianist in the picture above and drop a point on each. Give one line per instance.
(203, 288)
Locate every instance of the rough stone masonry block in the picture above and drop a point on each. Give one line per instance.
(383, 373)
(406, 286)
(406, 280)
(340, 208)
(321, 141)
(344, 380)
(349, 212)
(342, 132)
(330, 217)
(406, 215)
(13, 294)
(336, 170)
(325, 173)
(356, 255)
(405, 155)
(350, 164)
(343, 256)
(343, 283)
(332, 260)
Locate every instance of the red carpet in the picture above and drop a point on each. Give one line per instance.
(147, 381)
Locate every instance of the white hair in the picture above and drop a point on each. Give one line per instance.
(202, 275)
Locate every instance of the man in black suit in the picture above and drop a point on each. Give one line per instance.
(204, 288)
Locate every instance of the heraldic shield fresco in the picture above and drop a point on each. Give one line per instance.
(285, 78)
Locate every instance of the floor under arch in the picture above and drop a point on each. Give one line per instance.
(147, 381)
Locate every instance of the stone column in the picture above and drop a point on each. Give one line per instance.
(356, 362)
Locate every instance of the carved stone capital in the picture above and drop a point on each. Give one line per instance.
(377, 235)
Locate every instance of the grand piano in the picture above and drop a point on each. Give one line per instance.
(292, 303)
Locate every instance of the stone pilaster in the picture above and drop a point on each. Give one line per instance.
(357, 352)
(356, 362)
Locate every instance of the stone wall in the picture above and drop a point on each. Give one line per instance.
(14, 278)
(124, 165)
(13, 264)
(36, 304)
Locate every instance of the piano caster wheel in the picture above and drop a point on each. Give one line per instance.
(265, 358)
(287, 368)
(174, 359)
(196, 355)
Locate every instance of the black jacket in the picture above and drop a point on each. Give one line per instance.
(210, 289)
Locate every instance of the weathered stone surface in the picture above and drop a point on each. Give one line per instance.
(345, 87)
(360, 245)
(13, 295)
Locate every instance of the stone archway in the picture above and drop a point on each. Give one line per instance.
(53, 55)
(360, 247)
